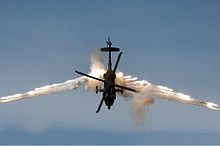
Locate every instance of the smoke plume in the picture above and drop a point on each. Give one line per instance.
(46, 90)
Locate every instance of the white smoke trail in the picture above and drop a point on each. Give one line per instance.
(97, 69)
(46, 90)
(149, 92)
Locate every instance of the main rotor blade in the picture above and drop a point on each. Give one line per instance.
(100, 104)
(116, 64)
(126, 88)
(83, 74)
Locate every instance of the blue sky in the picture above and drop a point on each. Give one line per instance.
(172, 43)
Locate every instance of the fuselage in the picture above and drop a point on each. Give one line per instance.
(109, 93)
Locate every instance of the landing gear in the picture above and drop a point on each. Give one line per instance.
(96, 89)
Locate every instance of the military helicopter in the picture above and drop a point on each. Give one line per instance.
(110, 88)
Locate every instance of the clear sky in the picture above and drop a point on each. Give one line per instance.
(175, 43)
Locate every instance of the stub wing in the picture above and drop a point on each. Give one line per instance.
(126, 88)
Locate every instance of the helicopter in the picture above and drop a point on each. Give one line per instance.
(110, 88)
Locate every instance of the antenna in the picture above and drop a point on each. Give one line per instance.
(109, 43)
